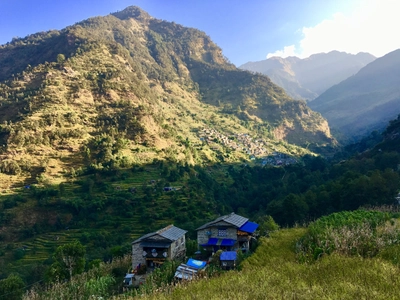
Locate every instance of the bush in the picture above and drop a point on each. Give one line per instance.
(9, 203)
(12, 287)
(19, 253)
(361, 233)
(10, 167)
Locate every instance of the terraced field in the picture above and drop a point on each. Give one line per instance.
(136, 203)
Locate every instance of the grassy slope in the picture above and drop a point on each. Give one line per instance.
(273, 273)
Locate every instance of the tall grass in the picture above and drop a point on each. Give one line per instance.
(273, 272)
(360, 233)
(94, 284)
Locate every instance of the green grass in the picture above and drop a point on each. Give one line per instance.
(274, 273)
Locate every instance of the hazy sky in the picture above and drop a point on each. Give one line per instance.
(245, 30)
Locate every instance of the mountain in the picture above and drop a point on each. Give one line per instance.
(128, 88)
(307, 78)
(365, 101)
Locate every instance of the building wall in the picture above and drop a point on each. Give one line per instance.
(174, 251)
(202, 236)
(178, 248)
(137, 255)
(228, 264)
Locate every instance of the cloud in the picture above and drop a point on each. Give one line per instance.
(287, 51)
(370, 28)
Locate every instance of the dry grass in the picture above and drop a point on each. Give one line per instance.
(274, 273)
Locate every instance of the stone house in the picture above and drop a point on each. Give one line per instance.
(229, 232)
(154, 248)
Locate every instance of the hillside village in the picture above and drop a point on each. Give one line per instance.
(226, 235)
(243, 142)
(239, 141)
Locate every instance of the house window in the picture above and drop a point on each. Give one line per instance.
(222, 232)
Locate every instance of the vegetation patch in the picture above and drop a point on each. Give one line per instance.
(360, 233)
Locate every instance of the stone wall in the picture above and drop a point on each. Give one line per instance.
(178, 248)
(202, 236)
(137, 255)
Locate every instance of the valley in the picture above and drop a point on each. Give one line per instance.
(120, 125)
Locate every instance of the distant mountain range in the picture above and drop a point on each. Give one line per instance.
(366, 101)
(307, 78)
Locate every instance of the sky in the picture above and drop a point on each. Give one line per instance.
(245, 30)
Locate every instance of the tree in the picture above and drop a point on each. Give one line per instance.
(60, 59)
(69, 260)
(267, 225)
(11, 288)
(295, 209)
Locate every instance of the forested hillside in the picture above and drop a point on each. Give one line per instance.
(128, 88)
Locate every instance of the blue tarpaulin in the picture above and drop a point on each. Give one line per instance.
(249, 227)
(212, 242)
(228, 255)
(228, 242)
(198, 264)
(220, 242)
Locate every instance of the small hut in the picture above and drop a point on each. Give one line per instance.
(228, 260)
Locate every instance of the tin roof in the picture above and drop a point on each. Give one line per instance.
(170, 232)
(232, 219)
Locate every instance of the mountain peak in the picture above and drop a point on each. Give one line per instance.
(132, 12)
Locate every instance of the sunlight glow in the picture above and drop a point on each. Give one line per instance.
(370, 28)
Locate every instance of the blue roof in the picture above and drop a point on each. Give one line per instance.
(212, 241)
(220, 242)
(197, 264)
(228, 255)
(249, 227)
(228, 242)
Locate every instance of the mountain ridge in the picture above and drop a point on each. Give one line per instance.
(365, 101)
(307, 78)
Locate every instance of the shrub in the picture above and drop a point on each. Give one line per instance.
(361, 233)
(10, 167)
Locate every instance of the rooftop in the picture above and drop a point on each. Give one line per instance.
(232, 218)
(170, 232)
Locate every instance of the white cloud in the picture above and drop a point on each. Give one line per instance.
(372, 27)
(287, 51)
